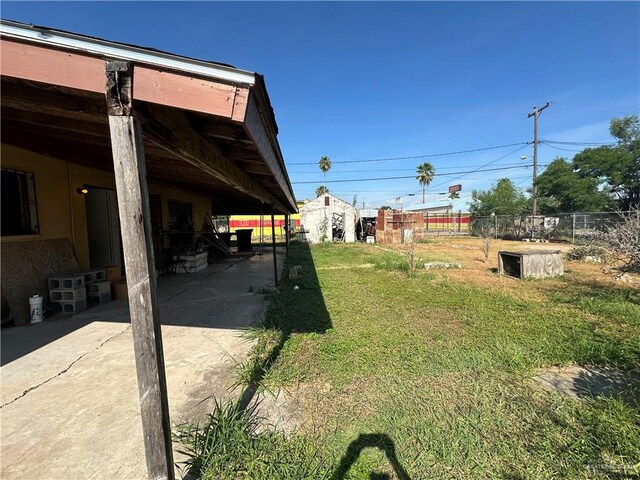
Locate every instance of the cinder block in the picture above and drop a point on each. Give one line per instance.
(98, 298)
(74, 308)
(99, 287)
(67, 295)
(94, 276)
(72, 282)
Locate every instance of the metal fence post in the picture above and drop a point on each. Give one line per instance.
(573, 228)
(495, 218)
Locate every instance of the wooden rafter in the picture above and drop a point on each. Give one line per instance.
(173, 130)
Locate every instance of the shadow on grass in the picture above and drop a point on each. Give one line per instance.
(296, 307)
(380, 441)
(607, 382)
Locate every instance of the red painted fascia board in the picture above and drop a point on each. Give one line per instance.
(84, 72)
(52, 66)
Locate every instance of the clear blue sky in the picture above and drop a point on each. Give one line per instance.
(377, 80)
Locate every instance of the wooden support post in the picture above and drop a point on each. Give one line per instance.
(273, 244)
(287, 231)
(135, 225)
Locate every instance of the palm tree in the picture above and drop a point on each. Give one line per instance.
(425, 172)
(325, 166)
(454, 195)
(321, 190)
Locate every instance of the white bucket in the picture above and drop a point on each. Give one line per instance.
(35, 305)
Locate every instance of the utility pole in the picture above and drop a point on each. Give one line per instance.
(535, 114)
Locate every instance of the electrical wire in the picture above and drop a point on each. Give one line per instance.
(560, 148)
(394, 170)
(454, 174)
(576, 143)
(483, 166)
(431, 155)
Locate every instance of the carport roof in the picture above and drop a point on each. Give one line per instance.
(208, 127)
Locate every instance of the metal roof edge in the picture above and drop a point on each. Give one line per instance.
(73, 41)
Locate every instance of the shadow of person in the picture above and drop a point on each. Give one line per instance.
(373, 440)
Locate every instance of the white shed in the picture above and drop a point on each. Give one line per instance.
(326, 219)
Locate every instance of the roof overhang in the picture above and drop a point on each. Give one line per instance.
(208, 127)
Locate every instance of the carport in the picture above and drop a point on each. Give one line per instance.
(146, 116)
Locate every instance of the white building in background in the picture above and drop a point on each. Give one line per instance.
(328, 218)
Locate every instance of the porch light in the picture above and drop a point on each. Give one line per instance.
(83, 190)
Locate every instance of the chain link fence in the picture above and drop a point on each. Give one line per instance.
(578, 227)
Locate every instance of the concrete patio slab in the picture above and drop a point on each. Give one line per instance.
(69, 400)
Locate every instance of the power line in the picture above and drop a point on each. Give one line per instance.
(431, 155)
(388, 192)
(485, 165)
(395, 170)
(577, 143)
(561, 148)
(455, 175)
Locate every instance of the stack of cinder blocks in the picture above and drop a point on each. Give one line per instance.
(98, 287)
(69, 292)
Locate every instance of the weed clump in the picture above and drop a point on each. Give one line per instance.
(232, 445)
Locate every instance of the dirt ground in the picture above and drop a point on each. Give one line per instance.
(468, 252)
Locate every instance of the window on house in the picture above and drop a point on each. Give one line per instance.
(180, 216)
(19, 205)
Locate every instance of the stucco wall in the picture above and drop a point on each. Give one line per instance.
(314, 213)
(61, 210)
(52, 191)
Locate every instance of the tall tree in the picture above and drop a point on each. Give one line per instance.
(325, 166)
(425, 172)
(562, 190)
(321, 190)
(502, 199)
(616, 168)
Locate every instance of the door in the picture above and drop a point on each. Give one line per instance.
(103, 228)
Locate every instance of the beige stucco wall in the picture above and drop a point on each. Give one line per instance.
(52, 192)
(61, 210)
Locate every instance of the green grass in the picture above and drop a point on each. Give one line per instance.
(434, 372)
(229, 446)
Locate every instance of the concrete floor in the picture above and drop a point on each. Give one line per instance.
(69, 399)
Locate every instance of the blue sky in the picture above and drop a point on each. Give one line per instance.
(357, 81)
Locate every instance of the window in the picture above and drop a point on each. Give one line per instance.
(19, 205)
(180, 216)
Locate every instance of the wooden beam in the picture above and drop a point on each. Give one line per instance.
(173, 131)
(135, 225)
(189, 93)
(273, 245)
(256, 128)
(48, 65)
(57, 102)
(287, 231)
